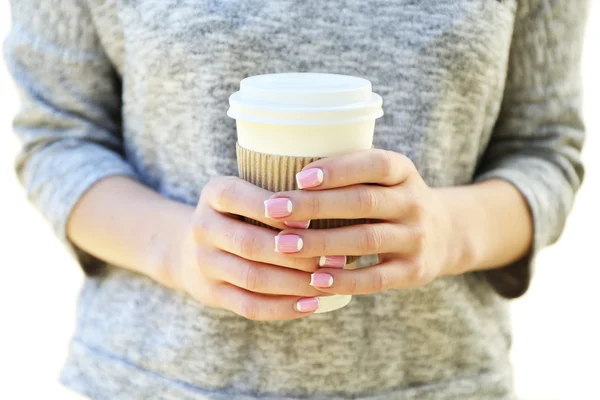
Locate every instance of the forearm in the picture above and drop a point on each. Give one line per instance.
(127, 224)
(492, 225)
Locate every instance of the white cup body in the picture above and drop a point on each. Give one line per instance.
(305, 141)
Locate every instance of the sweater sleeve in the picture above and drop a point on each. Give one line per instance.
(69, 119)
(538, 137)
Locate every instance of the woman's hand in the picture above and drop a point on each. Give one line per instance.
(224, 262)
(412, 229)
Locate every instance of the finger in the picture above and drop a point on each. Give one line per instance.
(258, 277)
(353, 240)
(262, 307)
(233, 195)
(381, 167)
(352, 202)
(248, 241)
(390, 274)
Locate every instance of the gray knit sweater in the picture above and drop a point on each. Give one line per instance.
(472, 89)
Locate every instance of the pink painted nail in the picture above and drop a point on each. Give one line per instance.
(288, 243)
(309, 178)
(308, 304)
(277, 208)
(297, 224)
(321, 279)
(332, 261)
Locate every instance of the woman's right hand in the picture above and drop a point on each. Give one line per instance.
(224, 262)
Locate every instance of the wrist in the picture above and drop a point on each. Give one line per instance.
(461, 240)
(491, 225)
(166, 257)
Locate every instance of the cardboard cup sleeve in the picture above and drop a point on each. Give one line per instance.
(277, 174)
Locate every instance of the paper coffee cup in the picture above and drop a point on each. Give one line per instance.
(286, 121)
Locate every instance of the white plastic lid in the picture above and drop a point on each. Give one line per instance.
(304, 99)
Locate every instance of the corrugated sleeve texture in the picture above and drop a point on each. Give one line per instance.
(69, 120)
(538, 137)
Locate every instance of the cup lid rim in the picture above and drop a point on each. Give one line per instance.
(263, 98)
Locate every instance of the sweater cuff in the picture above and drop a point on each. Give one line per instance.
(66, 179)
(538, 183)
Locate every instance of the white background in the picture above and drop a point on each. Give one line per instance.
(556, 325)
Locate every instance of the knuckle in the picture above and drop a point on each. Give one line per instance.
(415, 206)
(418, 235)
(408, 162)
(211, 296)
(367, 199)
(383, 163)
(315, 242)
(418, 209)
(315, 205)
(352, 284)
(249, 309)
(223, 192)
(322, 245)
(201, 226)
(246, 244)
(416, 271)
(345, 175)
(202, 260)
(204, 193)
(209, 264)
(275, 313)
(252, 277)
(372, 240)
(209, 189)
(381, 282)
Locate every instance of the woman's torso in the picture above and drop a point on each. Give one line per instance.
(440, 67)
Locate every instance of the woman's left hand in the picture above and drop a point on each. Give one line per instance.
(411, 226)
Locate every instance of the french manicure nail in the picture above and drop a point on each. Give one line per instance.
(278, 207)
(332, 261)
(309, 178)
(297, 224)
(321, 279)
(308, 304)
(288, 243)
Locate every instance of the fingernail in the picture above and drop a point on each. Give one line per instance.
(288, 243)
(321, 279)
(277, 208)
(308, 304)
(332, 261)
(297, 224)
(309, 178)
